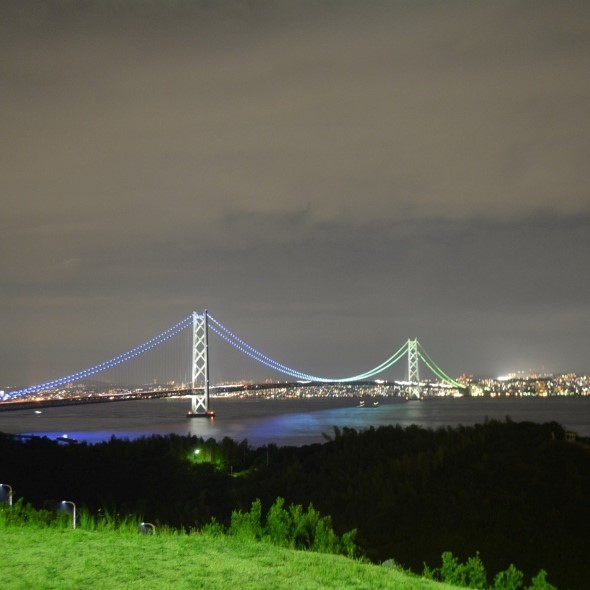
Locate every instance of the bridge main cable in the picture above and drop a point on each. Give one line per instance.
(228, 336)
(134, 352)
(231, 338)
(436, 369)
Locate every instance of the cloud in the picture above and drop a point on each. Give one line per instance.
(422, 162)
(380, 114)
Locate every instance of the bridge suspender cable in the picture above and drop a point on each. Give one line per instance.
(245, 348)
(248, 350)
(436, 369)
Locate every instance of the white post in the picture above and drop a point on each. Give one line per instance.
(65, 503)
(9, 487)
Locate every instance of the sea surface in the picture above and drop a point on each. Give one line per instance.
(292, 422)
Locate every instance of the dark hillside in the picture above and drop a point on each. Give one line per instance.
(515, 492)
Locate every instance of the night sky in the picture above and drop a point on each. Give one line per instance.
(327, 178)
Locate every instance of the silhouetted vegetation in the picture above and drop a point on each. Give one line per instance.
(472, 574)
(293, 527)
(514, 492)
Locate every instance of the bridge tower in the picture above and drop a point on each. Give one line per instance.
(200, 368)
(415, 390)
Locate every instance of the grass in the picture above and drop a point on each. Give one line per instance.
(66, 559)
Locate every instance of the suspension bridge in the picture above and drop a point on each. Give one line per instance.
(199, 326)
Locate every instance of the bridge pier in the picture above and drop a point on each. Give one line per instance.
(200, 368)
(415, 391)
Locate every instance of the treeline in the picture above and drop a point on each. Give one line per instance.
(514, 492)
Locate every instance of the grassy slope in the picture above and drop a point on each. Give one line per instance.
(65, 559)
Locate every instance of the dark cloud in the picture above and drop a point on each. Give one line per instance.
(360, 172)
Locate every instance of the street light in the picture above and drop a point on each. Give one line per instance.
(3, 494)
(147, 528)
(64, 506)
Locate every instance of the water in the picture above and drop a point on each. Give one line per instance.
(286, 421)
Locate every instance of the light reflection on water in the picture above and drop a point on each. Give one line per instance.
(284, 422)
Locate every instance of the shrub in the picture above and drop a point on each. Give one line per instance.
(247, 525)
(213, 528)
(539, 582)
(278, 523)
(472, 574)
(292, 527)
(509, 579)
(21, 514)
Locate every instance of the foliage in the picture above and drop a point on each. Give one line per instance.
(108, 521)
(213, 528)
(509, 579)
(21, 514)
(472, 574)
(247, 525)
(539, 582)
(292, 527)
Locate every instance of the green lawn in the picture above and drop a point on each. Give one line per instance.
(65, 559)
